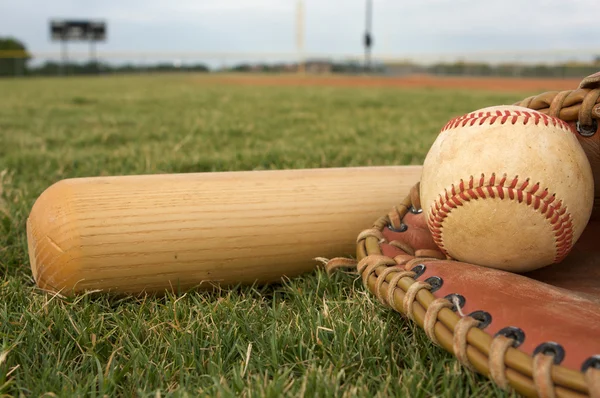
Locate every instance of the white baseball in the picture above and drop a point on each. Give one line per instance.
(507, 187)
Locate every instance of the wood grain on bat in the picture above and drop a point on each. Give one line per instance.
(159, 232)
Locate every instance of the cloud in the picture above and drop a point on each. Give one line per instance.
(332, 26)
(186, 11)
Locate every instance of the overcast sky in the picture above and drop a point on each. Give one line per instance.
(331, 26)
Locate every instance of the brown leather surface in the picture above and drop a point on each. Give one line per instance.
(544, 312)
(591, 146)
(417, 236)
(580, 271)
(558, 304)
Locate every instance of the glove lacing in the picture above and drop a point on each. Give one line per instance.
(397, 288)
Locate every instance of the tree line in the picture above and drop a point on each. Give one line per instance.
(20, 66)
(12, 64)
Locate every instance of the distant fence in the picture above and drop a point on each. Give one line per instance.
(13, 62)
(567, 70)
(559, 64)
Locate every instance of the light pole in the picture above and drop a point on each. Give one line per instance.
(368, 39)
(300, 35)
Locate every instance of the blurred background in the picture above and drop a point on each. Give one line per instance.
(138, 87)
(386, 37)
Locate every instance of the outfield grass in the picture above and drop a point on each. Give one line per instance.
(310, 336)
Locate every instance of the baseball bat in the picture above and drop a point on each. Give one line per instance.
(153, 233)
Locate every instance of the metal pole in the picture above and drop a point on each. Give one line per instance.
(65, 58)
(93, 55)
(368, 38)
(300, 36)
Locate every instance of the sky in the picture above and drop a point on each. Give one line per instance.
(332, 27)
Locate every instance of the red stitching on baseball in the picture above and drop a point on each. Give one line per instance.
(560, 219)
(512, 115)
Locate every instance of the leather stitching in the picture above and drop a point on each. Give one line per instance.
(516, 190)
(503, 117)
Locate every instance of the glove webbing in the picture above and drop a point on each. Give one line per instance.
(581, 105)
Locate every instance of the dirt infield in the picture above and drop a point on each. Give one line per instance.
(416, 81)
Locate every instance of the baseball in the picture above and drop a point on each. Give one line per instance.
(507, 187)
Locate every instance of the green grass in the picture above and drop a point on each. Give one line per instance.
(310, 336)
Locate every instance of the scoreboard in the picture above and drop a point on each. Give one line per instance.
(77, 30)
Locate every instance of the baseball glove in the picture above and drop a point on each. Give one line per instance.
(536, 333)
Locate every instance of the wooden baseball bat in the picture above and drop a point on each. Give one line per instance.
(153, 233)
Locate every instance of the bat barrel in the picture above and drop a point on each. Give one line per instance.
(151, 233)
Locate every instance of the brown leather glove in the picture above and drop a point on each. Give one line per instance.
(537, 333)
(581, 109)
